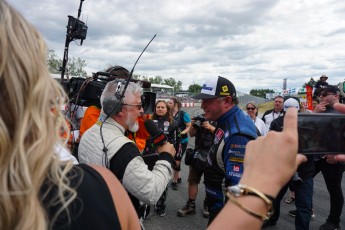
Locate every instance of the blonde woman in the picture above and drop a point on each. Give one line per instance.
(38, 190)
(252, 111)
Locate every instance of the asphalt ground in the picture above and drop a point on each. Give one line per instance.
(177, 198)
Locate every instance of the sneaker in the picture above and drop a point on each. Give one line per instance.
(160, 212)
(179, 180)
(289, 200)
(188, 209)
(205, 212)
(293, 213)
(174, 185)
(329, 226)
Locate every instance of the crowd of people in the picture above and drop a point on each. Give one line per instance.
(109, 185)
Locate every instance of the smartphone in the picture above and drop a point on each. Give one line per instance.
(321, 133)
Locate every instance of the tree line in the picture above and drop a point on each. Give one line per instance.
(75, 67)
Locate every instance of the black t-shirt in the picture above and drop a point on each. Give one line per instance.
(305, 170)
(93, 208)
(203, 137)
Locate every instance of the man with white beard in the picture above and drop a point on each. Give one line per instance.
(106, 144)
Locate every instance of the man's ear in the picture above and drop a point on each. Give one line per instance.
(228, 99)
(121, 113)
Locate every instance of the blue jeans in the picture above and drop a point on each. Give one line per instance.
(303, 201)
(333, 175)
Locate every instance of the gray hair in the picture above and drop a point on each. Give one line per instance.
(117, 86)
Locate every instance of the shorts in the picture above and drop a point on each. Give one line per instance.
(194, 176)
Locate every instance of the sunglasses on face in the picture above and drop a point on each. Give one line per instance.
(251, 108)
(139, 106)
(326, 94)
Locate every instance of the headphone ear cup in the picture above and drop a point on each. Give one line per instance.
(112, 105)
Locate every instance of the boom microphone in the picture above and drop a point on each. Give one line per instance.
(157, 135)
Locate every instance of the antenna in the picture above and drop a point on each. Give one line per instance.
(130, 75)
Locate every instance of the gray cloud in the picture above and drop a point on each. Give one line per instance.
(254, 43)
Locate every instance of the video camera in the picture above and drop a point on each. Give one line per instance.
(88, 91)
(199, 119)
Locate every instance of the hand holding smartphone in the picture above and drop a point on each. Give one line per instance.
(321, 133)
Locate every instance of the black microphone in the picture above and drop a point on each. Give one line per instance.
(157, 135)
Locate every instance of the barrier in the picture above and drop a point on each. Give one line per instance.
(187, 104)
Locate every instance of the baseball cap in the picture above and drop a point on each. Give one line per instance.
(216, 87)
(291, 102)
(330, 89)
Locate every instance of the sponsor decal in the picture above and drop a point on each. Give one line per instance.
(236, 159)
(218, 136)
(236, 168)
(236, 146)
(224, 94)
(236, 153)
(225, 88)
(233, 174)
(205, 87)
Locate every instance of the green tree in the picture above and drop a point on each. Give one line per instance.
(260, 92)
(54, 62)
(194, 89)
(75, 66)
(172, 82)
(156, 80)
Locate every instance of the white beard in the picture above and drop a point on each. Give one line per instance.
(132, 126)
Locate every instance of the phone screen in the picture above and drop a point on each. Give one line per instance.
(321, 133)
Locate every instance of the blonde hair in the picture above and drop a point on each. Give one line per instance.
(30, 126)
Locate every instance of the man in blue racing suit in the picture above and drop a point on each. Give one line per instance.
(234, 130)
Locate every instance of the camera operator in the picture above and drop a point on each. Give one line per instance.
(202, 130)
(105, 144)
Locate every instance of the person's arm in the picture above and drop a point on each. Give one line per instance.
(187, 122)
(274, 165)
(125, 211)
(138, 180)
(208, 126)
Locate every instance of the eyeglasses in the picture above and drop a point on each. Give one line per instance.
(326, 94)
(251, 108)
(139, 106)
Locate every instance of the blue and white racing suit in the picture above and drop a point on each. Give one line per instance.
(225, 160)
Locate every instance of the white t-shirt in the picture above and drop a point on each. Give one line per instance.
(64, 154)
(260, 124)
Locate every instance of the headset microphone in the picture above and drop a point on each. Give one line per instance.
(113, 105)
(157, 135)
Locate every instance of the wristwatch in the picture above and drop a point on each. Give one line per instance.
(242, 190)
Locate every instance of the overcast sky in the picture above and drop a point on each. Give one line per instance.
(254, 43)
